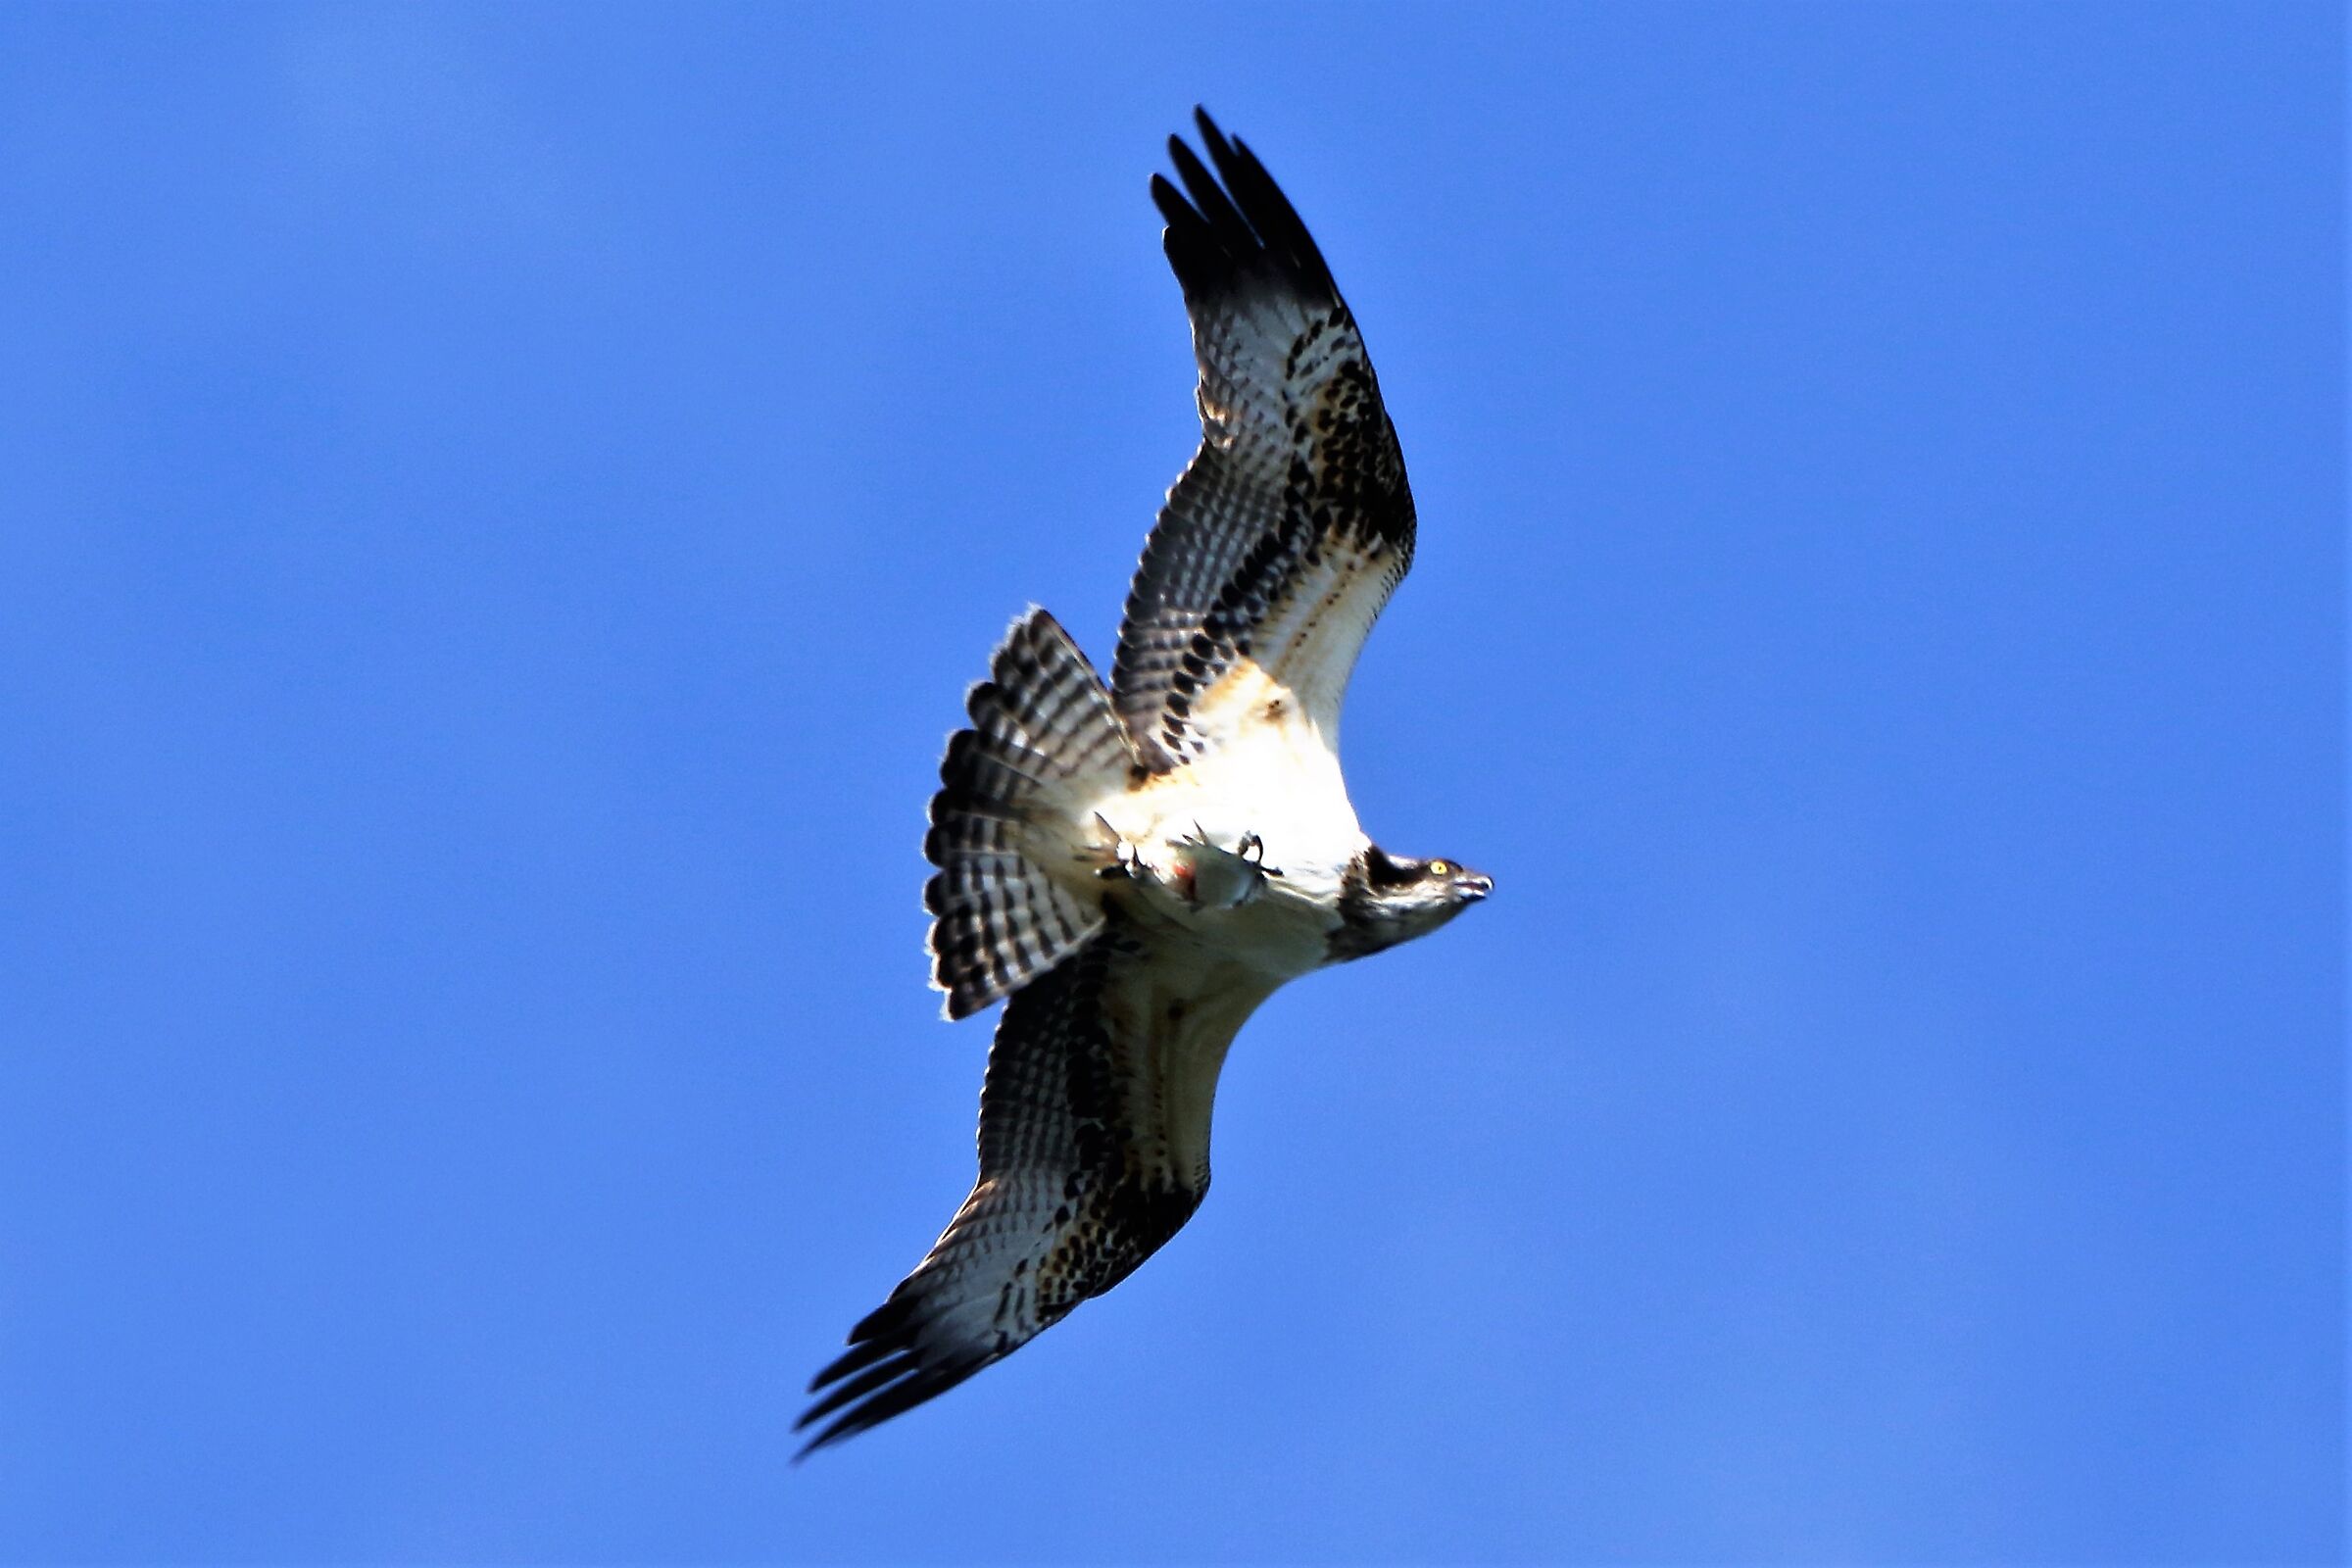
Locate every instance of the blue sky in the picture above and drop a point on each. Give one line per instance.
(503, 503)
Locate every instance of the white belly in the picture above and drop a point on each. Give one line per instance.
(1277, 782)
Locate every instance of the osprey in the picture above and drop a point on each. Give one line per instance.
(1136, 866)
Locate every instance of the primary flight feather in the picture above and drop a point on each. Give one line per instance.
(1133, 867)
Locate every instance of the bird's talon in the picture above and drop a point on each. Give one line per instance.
(1252, 849)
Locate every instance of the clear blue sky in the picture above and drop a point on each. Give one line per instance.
(500, 508)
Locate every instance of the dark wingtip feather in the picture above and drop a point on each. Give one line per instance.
(1207, 196)
(894, 1397)
(1210, 136)
(882, 1374)
(1172, 204)
(1234, 226)
(857, 1357)
(852, 1388)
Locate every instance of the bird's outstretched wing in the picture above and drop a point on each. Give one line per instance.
(1293, 522)
(1094, 1151)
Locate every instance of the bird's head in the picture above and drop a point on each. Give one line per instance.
(1390, 899)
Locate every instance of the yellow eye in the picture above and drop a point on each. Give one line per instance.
(1440, 868)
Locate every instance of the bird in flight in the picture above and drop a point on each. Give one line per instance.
(1133, 867)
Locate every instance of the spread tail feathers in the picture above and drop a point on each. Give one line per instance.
(1044, 737)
